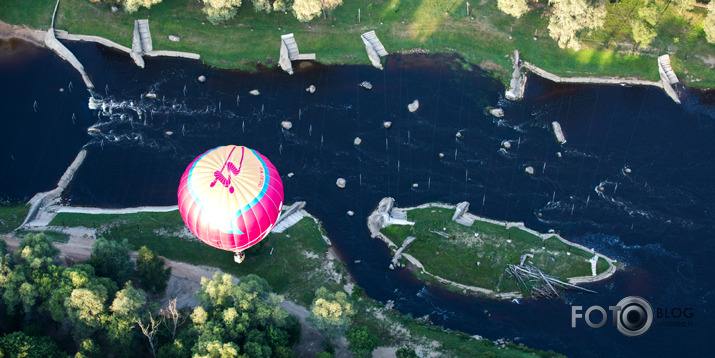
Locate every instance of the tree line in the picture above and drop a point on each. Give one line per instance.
(569, 19)
(109, 306)
(221, 10)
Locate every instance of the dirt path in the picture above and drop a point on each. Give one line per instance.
(7, 31)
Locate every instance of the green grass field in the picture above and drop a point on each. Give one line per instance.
(480, 260)
(439, 26)
(12, 216)
(288, 270)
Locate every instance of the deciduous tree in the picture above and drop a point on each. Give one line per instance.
(220, 10)
(362, 342)
(709, 23)
(331, 313)
(134, 5)
(571, 17)
(306, 10)
(112, 259)
(150, 269)
(514, 8)
(329, 5)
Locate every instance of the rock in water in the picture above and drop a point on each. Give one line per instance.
(413, 106)
(458, 135)
(506, 144)
(497, 112)
(202, 78)
(415, 185)
(529, 170)
(357, 141)
(387, 124)
(255, 92)
(351, 213)
(366, 85)
(341, 183)
(174, 38)
(290, 175)
(310, 89)
(150, 95)
(558, 154)
(627, 170)
(168, 132)
(287, 125)
(441, 155)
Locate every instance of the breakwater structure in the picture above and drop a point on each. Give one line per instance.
(374, 48)
(387, 214)
(38, 214)
(289, 52)
(141, 46)
(518, 81)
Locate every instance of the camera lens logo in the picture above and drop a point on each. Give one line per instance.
(634, 317)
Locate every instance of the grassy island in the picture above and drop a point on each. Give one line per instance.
(478, 255)
(483, 37)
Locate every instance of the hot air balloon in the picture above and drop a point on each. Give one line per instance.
(230, 197)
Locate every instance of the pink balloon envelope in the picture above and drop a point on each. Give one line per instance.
(230, 197)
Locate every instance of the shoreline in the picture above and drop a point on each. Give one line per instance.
(37, 37)
(377, 220)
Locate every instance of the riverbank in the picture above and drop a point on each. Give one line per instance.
(441, 27)
(312, 261)
(471, 253)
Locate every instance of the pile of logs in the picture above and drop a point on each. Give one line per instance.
(539, 283)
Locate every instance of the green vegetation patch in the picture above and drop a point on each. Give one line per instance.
(54, 236)
(484, 37)
(296, 268)
(12, 217)
(478, 255)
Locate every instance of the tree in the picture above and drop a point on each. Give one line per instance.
(306, 10)
(128, 301)
(571, 17)
(709, 23)
(18, 344)
(243, 318)
(331, 313)
(643, 34)
(149, 329)
(405, 352)
(262, 5)
(643, 28)
(329, 5)
(87, 349)
(133, 5)
(220, 10)
(685, 5)
(112, 259)
(150, 269)
(514, 8)
(362, 342)
(280, 5)
(172, 318)
(85, 311)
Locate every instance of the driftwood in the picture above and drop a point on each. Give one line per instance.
(539, 283)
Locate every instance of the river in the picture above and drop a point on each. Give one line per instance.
(658, 219)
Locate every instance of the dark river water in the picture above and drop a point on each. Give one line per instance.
(658, 220)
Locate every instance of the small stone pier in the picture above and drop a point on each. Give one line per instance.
(289, 52)
(290, 216)
(374, 48)
(668, 77)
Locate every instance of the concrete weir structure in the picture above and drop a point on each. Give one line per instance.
(374, 48)
(289, 52)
